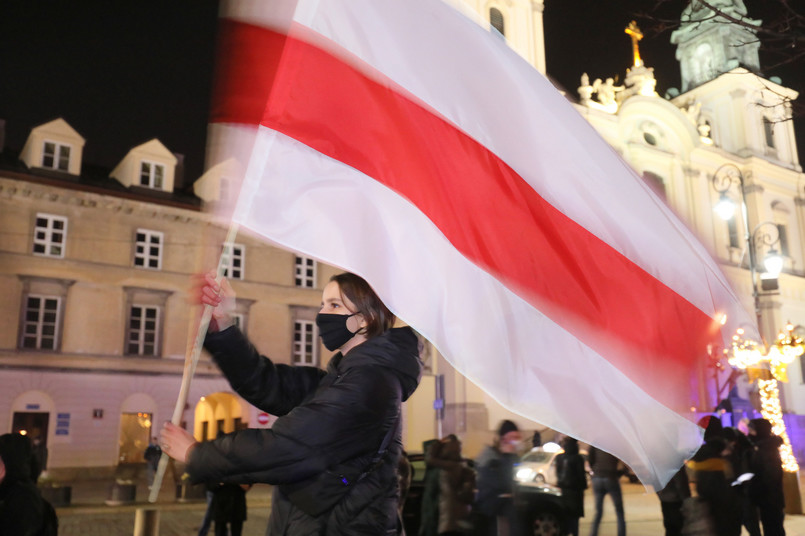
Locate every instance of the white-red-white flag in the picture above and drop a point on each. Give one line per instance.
(399, 140)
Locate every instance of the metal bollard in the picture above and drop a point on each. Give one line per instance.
(146, 521)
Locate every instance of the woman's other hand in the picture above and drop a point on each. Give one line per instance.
(176, 442)
(206, 290)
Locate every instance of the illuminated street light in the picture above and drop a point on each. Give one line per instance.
(764, 234)
(725, 208)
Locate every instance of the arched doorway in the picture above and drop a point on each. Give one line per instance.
(219, 412)
(136, 423)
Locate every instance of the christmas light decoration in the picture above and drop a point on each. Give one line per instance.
(747, 355)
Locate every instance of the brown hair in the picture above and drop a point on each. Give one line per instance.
(378, 317)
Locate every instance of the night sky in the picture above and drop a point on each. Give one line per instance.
(122, 72)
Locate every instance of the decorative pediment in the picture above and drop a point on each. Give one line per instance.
(54, 145)
(150, 165)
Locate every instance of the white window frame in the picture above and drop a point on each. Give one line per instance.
(238, 257)
(305, 343)
(150, 175)
(38, 336)
(56, 156)
(136, 337)
(142, 249)
(302, 278)
(47, 237)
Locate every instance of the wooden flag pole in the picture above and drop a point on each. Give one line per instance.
(191, 360)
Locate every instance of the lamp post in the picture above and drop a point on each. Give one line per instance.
(766, 365)
(765, 234)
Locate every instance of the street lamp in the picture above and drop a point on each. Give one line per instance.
(765, 234)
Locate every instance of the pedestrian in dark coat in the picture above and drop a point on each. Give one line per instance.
(572, 480)
(494, 503)
(431, 487)
(606, 472)
(766, 487)
(228, 508)
(22, 509)
(333, 452)
(713, 474)
(672, 497)
(456, 488)
(739, 453)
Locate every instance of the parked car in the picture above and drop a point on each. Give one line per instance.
(539, 507)
(539, 465)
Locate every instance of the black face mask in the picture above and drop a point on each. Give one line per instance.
(333, 330)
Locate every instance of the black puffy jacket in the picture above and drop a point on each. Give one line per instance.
(22, 510)
(321, 453)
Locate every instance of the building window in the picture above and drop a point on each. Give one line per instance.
(732, 230)
(40, 329)
(782, 231)
(239, 321)
(304, 343)
(144, 324)
(151, 175)
(49, 234)
(56, 156)
(42, 312)
(233, 263)
(768, 131)
(148, 249)
(305, 272)
(655, 182)
(496, 20)
(143, 332)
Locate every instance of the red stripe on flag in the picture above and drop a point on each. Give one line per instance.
(484, 208)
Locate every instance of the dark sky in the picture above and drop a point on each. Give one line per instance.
(122, 72)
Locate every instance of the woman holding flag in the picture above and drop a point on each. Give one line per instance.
(332, 453)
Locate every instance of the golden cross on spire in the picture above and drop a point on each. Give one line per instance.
(636, 35)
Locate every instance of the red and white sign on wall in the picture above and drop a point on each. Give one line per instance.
(263, 418)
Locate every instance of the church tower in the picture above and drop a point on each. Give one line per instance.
(709, 44)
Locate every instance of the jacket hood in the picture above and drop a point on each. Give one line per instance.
(17, 455)
(396, 349)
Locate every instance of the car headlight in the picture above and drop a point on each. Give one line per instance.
(524, 474)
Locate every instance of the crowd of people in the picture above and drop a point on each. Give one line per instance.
(734, 481)
(738, 481)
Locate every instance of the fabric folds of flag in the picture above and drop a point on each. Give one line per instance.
(399, 140)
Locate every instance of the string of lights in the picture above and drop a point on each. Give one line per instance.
(747, 355)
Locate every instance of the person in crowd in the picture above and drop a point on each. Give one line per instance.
(766, 487)
(572, 480)
(429, 509)
(206, 521)
(152, 455)
(456, 488)
(404, 476)
(712, 473)
(23, 511)
(332, 453)
(606, 472)
(40, 453)
(672, 497)
(739, 451)
(228, 508)
(494, 503)
(536, 440)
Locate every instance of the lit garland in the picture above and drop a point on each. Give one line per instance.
(771, 410)
(747, 355)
